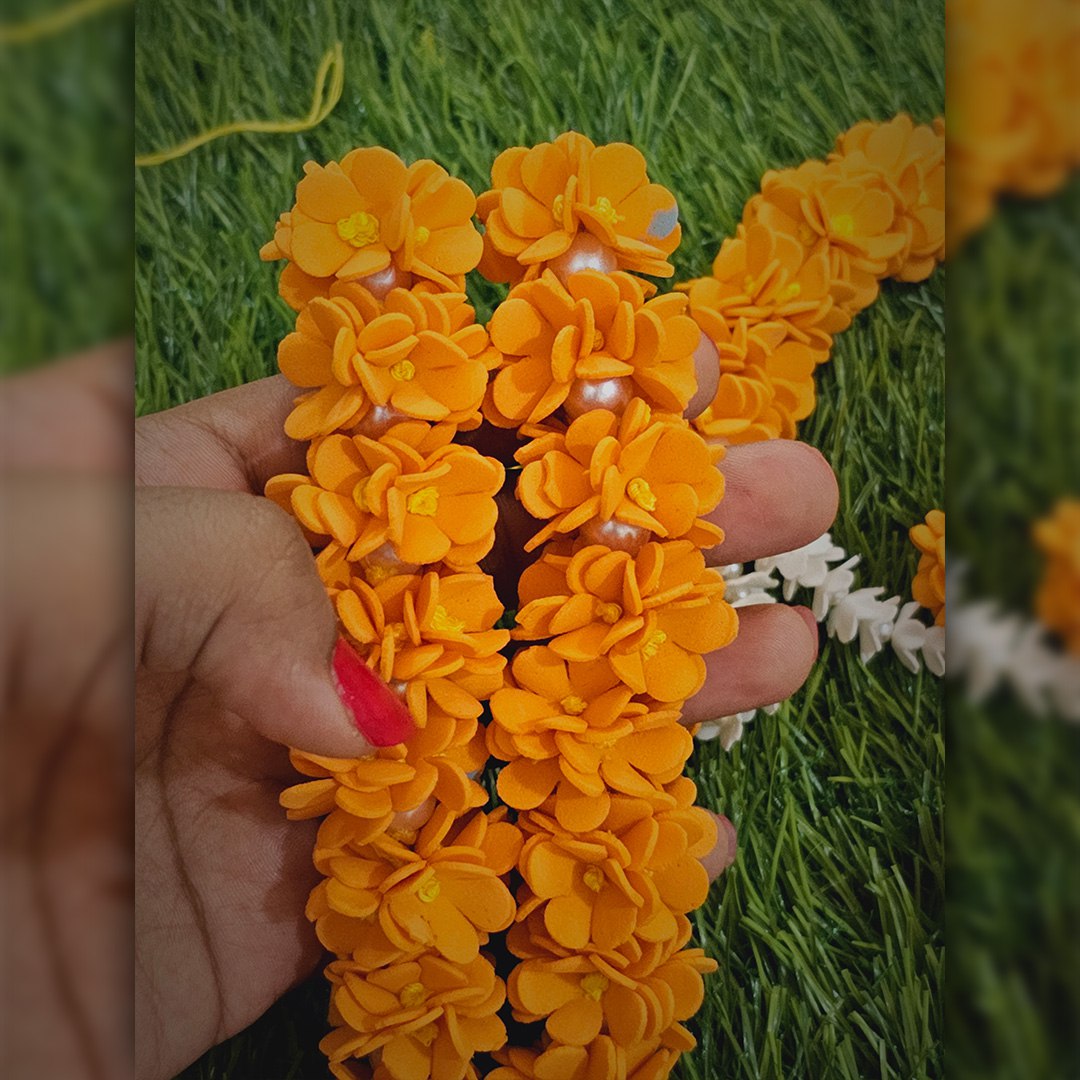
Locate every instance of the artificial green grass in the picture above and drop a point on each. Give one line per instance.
(828, 928)
(65, 204)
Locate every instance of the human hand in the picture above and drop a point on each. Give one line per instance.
(214, 852)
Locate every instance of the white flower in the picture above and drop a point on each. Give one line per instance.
(806, 566)
(748, 589)
(933, 650)
(836, 583)
(862, 613)
(909, 637)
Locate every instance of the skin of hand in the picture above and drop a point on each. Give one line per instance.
(233, 638)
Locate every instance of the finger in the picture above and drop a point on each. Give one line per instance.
(71, 415)
(226, 589)
(724, 851)
(767, 662)
(233, 440)
(778, 496)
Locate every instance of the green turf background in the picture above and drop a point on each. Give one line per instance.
(829, 927)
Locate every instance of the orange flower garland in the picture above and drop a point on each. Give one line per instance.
(928, 588)
(810, 252)
(1057, 600)
(598, 828)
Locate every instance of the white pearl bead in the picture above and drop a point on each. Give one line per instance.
(707, 369)
(382, 281)
(616, 535)
(586, 252)
(378, 420)
(407, 821)
(585, 394)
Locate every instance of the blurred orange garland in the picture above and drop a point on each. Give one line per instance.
(624, 401)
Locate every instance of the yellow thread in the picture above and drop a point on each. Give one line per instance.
(594, 985)
(54, 22)
(573, 705)
(444, 622)
(403, 371)
(789, 292)
(423, 235)
(429, 891)
(602, 208)
(412, 994)
(843, 225)
(321, 107)
(359, 229)
(594, 878)
(423, 502)
(609, 613)
(557, 208)
(638, 491)
(652, 646)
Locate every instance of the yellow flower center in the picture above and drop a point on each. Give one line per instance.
(412, 994)
(652, 645)
(594, 878)
(422, 236)
(442, 621)
(359, 229)
(573, 705)
(594, 985)
(609, 613)
(423, 502)
(602, 208)
(429, 891)
(403, 371)
(639, 492)
(557, 205)
(806, 235)
(377, 572)
(843, 225)
(789, 292)
(748, 282)
(597, 341)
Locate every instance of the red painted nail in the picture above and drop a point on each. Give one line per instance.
(377, 711)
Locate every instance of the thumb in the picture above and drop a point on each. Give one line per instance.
(226, 594)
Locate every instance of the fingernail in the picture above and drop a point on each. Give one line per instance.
(376, 710)
(811, 623)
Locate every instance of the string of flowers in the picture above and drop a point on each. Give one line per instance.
(622, 399)
(394, 367)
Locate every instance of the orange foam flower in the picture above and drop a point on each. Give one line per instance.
(652, 615)
(433, 634)
(594, 891)
(425, 1017)
(558, 740)
(821, 204)
(443, 893)
(365, 797)
(369, 212)
(602, 1059)
(582, 997)
(654, 472)
(416, 355)
(928, 588)
(432, 500)
(766, 375)
(542, 197)
(910, 160)
(1057, 600)
(768, 276)
(599, 326)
